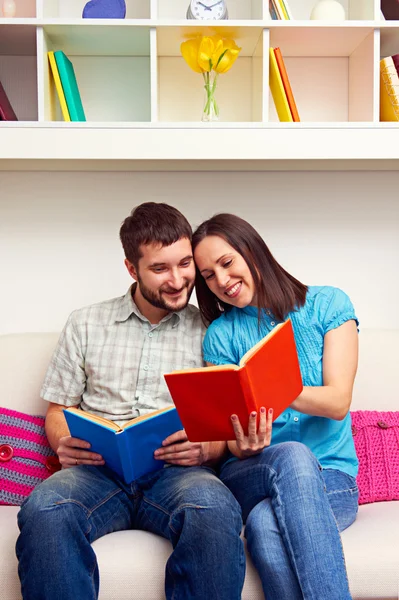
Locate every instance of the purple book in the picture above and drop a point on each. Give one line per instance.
(390, 9)
(395, 59)
(6, 110)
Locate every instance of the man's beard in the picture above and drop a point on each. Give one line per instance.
(156, 299)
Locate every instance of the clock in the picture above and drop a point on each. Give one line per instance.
(207, 10)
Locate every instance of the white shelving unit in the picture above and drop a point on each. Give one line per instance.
(141, 98)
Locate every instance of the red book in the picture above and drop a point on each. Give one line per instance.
(395, 59)
(268, 375)
(286, 84)
(6, 110)
(390, 9)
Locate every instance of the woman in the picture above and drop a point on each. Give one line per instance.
(295, 481)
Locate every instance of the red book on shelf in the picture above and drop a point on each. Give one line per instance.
(6, 111)
(268, 375)
(390, 9)
(395, 59)
(286, 84)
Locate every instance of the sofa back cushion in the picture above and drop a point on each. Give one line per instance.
(24, 359)
(376, 380)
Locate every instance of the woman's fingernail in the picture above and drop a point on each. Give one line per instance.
(253, 413)
(270, 411)
(263, 410)
(234, 417)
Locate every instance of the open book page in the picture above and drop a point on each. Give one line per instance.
(96, 418)
(202, 369)
(147, 416)
(262, 342)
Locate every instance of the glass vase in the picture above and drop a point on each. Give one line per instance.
(211, 109)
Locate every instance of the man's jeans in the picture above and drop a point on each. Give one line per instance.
(190, 507)
(294, 511)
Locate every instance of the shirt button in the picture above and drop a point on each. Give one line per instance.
(150, 334)
(53, 464)
(6, 453)
(272, 323)
(296, 419)
(146, 367)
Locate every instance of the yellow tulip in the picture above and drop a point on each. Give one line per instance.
(189, 52)
(204, 54)
(228, 56)
(210, 51)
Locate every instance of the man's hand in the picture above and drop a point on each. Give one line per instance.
(72, 451)
(178, 450)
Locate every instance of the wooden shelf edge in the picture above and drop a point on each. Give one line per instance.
(244, 144)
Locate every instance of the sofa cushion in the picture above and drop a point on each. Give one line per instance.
(371, 547)
(132, 563)
(376, 438)
(26, 458)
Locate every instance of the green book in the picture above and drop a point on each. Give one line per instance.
(70, 86)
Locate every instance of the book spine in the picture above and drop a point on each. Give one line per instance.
(125, 457)
(247, 390)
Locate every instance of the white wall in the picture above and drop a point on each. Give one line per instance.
(59, 246)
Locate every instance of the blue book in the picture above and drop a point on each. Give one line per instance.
(128, 450)
(70, 86)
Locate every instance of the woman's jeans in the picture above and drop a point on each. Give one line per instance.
(189, 506)
(294, 512)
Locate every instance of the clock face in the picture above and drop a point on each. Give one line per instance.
(208, 9)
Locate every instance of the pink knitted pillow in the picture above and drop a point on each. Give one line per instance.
(25, 455)
(376, 437)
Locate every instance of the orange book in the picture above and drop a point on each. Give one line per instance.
(286, 84)
(268, 375)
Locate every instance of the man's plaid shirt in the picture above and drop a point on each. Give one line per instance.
(111, 360)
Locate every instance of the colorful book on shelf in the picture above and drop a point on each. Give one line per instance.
(278, 10)
(70, 86)
(127, 450)
(287, 9)
(389, 90)
(277, 89)
(6, 110)
(287, 85)
(272, 11)
(58, 86)
(268, 375)
(390, 9)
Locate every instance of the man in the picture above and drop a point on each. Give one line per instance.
(110, 360)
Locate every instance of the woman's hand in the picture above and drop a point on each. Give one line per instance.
(257, 438)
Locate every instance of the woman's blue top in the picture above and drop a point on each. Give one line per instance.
(235, 332)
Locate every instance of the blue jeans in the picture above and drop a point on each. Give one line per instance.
(189, 506)
(294, 512)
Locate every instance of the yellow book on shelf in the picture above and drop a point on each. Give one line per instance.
(58, 86)
(284, 9)
(389, 90)
(277, 89)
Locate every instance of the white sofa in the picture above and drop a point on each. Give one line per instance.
(132, 563)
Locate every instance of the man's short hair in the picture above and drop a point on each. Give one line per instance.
(152, 223)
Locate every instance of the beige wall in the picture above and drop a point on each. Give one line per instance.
(59, 246)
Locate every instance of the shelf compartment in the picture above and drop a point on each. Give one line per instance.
(18, 69)
(73, 9)
(389, 41)
(355, 10)
(181, 90)
(331, 71)
(26, 9)
(112, 67)
(238, 9)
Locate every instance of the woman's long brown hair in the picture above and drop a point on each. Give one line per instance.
(276, 289)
